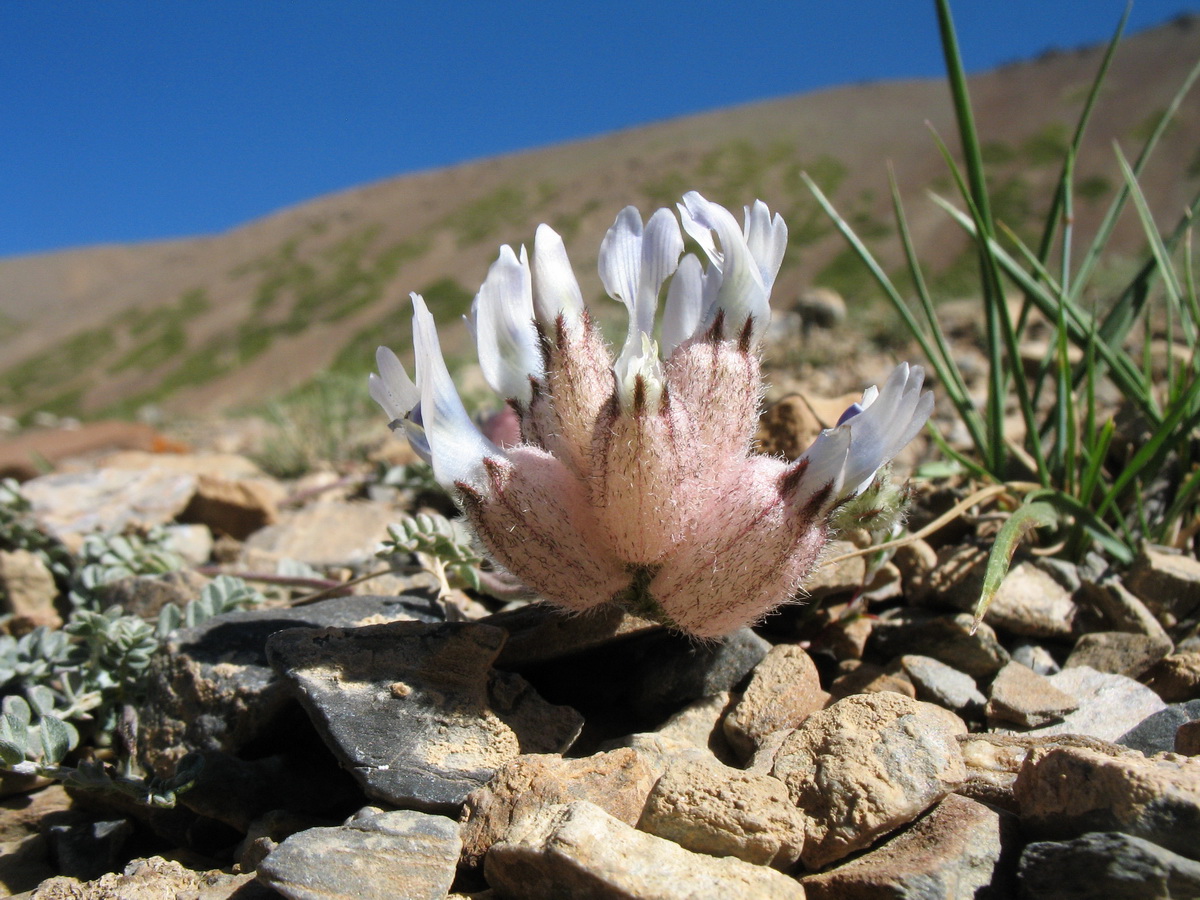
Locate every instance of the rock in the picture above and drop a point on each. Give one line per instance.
(577, 850)
(957, 849)
(1111, 865)
(386, 855)
(1064, 792)
(721, 811)
(1121, 609)
(699, 725)
(1187, 738)
(1036, 657)
(194, 543)
(154, 879)
(1109, 705)
(866, 765)
(659, 751)
(787, 427)
(821, 307)
(1176, 678)
(617, 781)
(25, 455)
(938, 683)
(1168, 583)
(916, 561)
(1031, 603)
(414, 711)
(1020, 696)
(237, 508)
(89, 849)
(947, 639)
(1118, 652)
(868, 678)
(146, 595)
(70, 505)
(327, 534)
(539, 633)
(27, 591)
(993, 761)
(1156, 733)
(211, 687)
(784, 690)
(843, 577)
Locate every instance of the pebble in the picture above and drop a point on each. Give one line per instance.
(1020, 696)
(1031, 603)
(1176, 678)
(947, 639)
(869, 678)
(1168, 583)
(1067, 791)
(957, 849)
(784, 690)
(578, 850)
(1109, 705)
(866, 765)
(1121, 609)
(27, 591)
(721, 811)
(1157, 733)
(939, 683)
(380, 856)
(699, 724)
(234, 507)
(1036, 657)
(1187, 738)
(617, 781)
(1118, 652)
(414, 710)
(1110, 865)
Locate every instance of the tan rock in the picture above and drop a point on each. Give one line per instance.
(721, 811)
(1168, 583)
(1064, 792)
(1020, 696)
(993, 761)
(237, 508)
(617, 781)
(1118, 652)
(27, 591)
(578, 850)
(865, 766)
(1122, 610)
(868, 678)
(699, 725)
(1176, 678)
(784, 690)
(1187, 738)
(952, 851)
(147, 879)
(333, 533)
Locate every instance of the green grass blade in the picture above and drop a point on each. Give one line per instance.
(1023, 520)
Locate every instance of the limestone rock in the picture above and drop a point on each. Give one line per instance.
(957, 849)
(1065, 792)
(154, 879)
(378, 857)
(784, 690)
(866, 765)
(579, 851)
(1168, 583)
(721, 811)
(414, 711)
(326, 534)
(1118, 652)
(947, 639)
(939, 683)
(1176, 678)
(27, 590)
(617, 781)
(1111, 865)
(1020, 696)
(1109, 705)
(237, 508)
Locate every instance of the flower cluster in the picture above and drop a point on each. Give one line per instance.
(633, 480)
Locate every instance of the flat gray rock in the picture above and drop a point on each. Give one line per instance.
(944, 685)
(1111, 865)
(380, 857)
(415, 711)
(1109, 705)
(1156, 733)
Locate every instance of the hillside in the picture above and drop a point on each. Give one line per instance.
(210, 324)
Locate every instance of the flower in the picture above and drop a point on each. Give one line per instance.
(634, 481)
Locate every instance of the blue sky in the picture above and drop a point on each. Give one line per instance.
(130, 120)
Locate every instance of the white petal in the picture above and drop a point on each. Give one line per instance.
(685, 302)
(886, 426)
(640, 361)
(392, 389)
(555, 290)
(767, 240)
(826, 465)
(742, 295)
(620, 260)
(456, 445)
(503, 327)
(661, 245)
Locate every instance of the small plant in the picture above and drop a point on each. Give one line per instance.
(442, 546)
(1073, 484)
